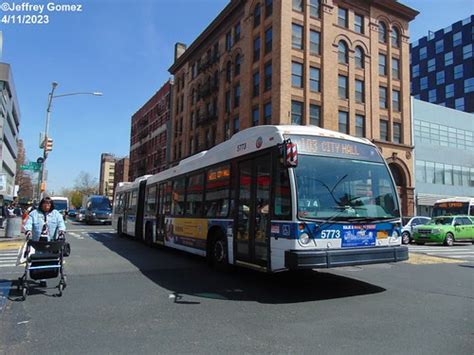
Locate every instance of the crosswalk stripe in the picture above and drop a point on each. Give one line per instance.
(458, 255)
(7, 265)
(7, 260)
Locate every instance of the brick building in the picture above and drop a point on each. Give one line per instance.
(341, 65)
(107, 172)
(121, 171)
(148, 141)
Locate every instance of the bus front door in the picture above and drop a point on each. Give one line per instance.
(253, 204)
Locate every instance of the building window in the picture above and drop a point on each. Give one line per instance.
(467, 51)
(448, 58)
(268, 40)
(439, 46)
(237, 31)
(228, 71)
(227, 101)
(257, 14)
(228, 41)
(395, 68)
(268, 76)
(256, 84)
(382, 64)
(267, 113)
(431, 65)
(468, 85)
(236, 124)
(397, 133)
(298, 5)
(343, 122)
(432, 95)
(296, 74)
(343, 87)
(396, 100)
(423, 83)
(236, 95)
(415, 71)
(314, 83)
(449, 90)
(383, 97)
(359, 23)
(459, 104)
(342, 17)
(297, 36)
(268, 8)
(296, 112)
(359, 57)
(343, 55)
(359, 91)
(314, 42)
(395, 38)
(384, 130)
(440, 77)
(238, 61)
(256, 49)
(315, 115)
(255, 116)
(360, 126)
(315, 8)
(458, 71)
(382, 32)
(423, 53)
(457, 39)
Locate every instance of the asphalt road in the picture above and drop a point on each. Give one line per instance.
(124, 297)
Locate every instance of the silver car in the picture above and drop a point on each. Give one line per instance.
(409, 225)
(81, 215)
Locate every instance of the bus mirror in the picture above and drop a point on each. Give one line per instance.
(290, 154)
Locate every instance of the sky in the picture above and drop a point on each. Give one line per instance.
(122, 48)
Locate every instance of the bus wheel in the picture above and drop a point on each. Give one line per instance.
(449, 240)
(219, 252)
(119, 228)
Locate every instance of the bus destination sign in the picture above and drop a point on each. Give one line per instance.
(335, 148)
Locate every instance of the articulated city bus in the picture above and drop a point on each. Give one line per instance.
(454, 206)
(271, 198)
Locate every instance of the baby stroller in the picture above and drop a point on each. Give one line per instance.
(46, 262)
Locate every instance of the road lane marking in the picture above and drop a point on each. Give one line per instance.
(11, 245)
(7, 265)
(75, 235)
(422, 259)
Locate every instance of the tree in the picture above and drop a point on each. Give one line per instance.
(76, 199)
(86, 184)
(22, 178)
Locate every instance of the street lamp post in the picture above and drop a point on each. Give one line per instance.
(51, 96)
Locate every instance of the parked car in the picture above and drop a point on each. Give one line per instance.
(446, 230)
(81, 215)
(71, 213)
(409, 224)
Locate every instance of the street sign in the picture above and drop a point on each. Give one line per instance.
(31, 166)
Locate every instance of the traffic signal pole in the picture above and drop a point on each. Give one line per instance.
(41, 175)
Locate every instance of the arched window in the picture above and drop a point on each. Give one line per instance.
(237, 65)
(343, 55)
(382, 32)
(359, 57)
(395, 37)
(257, 14)
(228, 71)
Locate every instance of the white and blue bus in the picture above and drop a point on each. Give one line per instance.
(271, 198)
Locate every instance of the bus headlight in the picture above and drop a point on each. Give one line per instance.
(304, 238)
(395, 238)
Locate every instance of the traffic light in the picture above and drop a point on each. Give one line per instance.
(49, 145)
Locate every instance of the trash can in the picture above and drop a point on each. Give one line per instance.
(13, 228)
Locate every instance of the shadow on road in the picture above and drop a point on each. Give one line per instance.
(185, 274)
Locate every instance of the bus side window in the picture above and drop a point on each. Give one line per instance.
(216, 202)
(177, 199)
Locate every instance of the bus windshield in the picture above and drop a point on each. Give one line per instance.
(450, 208)
(60, 205)
(344, 189)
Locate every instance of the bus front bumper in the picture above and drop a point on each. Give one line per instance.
(327, 258)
